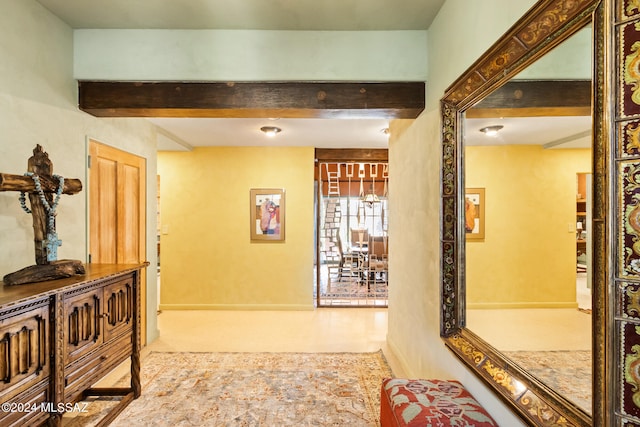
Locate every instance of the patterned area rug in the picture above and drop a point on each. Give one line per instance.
(258, 389)
(568, 372)
(352, 288)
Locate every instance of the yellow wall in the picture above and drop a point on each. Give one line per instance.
(528, 256)
(207, 259)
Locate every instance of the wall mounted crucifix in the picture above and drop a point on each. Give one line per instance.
(44, 190)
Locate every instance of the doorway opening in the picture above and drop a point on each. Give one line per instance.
(353, 239)
(583, 241)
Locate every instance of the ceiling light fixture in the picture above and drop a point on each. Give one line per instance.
(491, 130)
(270, 130)
(371, 198)
(386, 131)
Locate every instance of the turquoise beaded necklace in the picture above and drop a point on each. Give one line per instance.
(52, 242)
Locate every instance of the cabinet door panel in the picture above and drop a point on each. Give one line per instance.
(118, 308)
(82, 324)
(23, 349)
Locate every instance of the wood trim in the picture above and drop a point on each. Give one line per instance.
(527, 112)
(536, 98)
(352, 155)
(394, 100)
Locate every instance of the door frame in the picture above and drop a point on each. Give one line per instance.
(142, 221)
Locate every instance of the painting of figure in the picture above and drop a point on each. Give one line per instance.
(267, 215)
(474, 213)
(470, 215)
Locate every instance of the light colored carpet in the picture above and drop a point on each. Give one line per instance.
(567, 372)
(258, 389)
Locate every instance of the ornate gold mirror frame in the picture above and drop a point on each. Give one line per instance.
(542, 28)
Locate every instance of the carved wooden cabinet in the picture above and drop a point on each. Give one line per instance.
(25, 362)
(58, 338)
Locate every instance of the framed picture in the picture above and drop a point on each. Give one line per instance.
(474, 213)
(267, 214)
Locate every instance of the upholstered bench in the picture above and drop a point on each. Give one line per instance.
(436, 403)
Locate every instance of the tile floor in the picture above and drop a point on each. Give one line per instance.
(319, 330)
(532, 329)
(537, 329)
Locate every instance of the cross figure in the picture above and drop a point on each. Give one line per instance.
(40, 184)
(51, 246)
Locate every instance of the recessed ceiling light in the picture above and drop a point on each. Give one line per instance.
(270, 130)
(491, 130)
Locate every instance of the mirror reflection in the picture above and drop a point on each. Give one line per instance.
(527, 216)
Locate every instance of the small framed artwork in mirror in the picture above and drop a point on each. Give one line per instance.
(267, 210)
(474, 213)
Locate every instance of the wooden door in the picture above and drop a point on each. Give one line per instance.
(117, 213)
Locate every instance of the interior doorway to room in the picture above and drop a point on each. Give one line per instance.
(583, 241)
(158, 232)
(353, 239)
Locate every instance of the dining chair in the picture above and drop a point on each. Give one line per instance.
(377, 262)
(359, 237)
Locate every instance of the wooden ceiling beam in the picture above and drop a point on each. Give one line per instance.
(394, 100)
(536, 98)
(352, 154)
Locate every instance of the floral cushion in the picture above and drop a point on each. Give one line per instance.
(436, 403)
